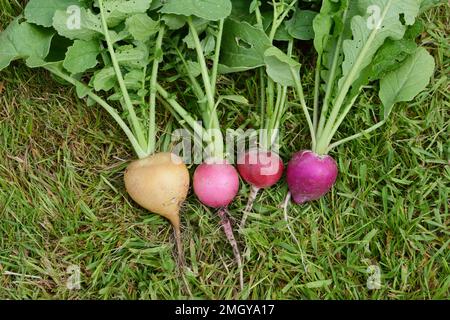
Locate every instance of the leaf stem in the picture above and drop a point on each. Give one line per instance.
(301, 94)
(135, 144)
(217, 57)
(154, 77)
(355, 136)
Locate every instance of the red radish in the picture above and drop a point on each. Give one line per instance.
(216, 183)
(310, 176)
(261, 169)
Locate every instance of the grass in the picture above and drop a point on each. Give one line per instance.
(62, 204)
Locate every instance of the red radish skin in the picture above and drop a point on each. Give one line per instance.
(216, 184)
(260, 168)
(310, 176)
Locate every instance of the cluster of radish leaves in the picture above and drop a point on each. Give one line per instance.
(118, 49)
(114, 59)
(359, 44)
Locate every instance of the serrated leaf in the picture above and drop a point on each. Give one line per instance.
(117, 11)
(406, 82)
(24, 41)
(279, 66)
(173, 22)
(194, 68)
(82, 90)
(208, 44)
(104, 79)
(243, 46)
(41, 12)
(211, 10)
(81, 56)
(141, 26)
(133, 79)
(301, 25)
(370, 32)
(85, 26)
(133, 57)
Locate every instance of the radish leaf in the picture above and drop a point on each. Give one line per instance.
(141, 26)
(24, 41)
(406, 82)
(87, 27)
(81, 56)
(41, 12)
(279, 66)
(211, 10)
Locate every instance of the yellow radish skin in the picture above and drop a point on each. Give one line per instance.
(160, 184)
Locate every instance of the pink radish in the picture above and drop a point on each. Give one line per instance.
(310, 176)
(261, 169)
(216, 184)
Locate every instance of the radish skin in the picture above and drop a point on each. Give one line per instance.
(216, 183)
(160, 184)
(261, 169)
(310, 176)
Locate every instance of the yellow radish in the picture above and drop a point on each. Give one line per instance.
(160, 184)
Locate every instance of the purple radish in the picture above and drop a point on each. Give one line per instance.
(310, 176)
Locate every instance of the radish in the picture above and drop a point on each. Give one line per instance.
(354, 62)
(216, 184)
(160, 184)
(310, 176)
(261, 169)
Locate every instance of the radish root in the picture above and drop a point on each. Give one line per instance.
(286, 218)
(228, 229)
(251, 199)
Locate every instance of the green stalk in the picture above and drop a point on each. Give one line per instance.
(317, 93)
(218, 147)
(349, 79)
(355, 136)
(259, 18)
(329, 88)
(203, 66)
(152, 119)
(196, 127)
(301, 94)
(135, 144)
(217, 57)
(278, 20)
(137, 128)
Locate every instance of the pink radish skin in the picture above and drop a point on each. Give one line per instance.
(261, 169)
(216, 184)
(310, 176)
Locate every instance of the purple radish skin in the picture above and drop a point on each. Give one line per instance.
(310, 176)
